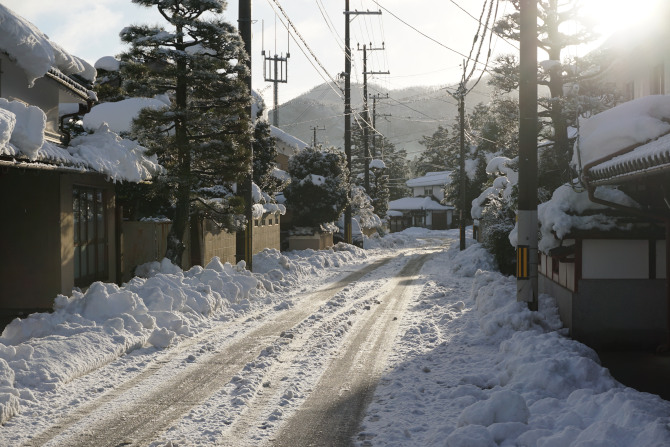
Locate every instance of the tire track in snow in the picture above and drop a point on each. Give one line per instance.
(108, 422)
(331, 414)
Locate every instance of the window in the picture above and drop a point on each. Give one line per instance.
(657, 82)
(427, 191)
(90, 236)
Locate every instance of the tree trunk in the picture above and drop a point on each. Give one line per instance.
(175, 242)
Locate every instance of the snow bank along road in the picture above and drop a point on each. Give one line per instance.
(301, 376)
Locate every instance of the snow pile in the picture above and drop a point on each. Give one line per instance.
(569, 210)
(631, 123)
(22, 126)
(88, 330)
(22, 134)
(119, 115)
(118, 158)
(480, 369)
(34, 52)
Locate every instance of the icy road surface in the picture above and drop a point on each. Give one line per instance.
(301, 376)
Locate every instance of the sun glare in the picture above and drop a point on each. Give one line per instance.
(610, 16)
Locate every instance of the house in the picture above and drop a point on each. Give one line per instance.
(287, 146)
(423, 209)
(59, 221)
(430, 185)
(603, 252)
(422, 212)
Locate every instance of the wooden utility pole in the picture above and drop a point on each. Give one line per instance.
(527, 289)
(463, 207)
(366, 114)
(244, 26)
(347, 118)
(374, 121)
(347, 109)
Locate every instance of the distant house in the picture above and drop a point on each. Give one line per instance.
(423, 209)
(422, 212)
(287, 146)
(59, 220)
(430, 185)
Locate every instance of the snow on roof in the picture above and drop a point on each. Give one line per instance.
(288, 139)
(119, 115)
(417, 203)
(439, 178)
(624, 126)
(22, 139)
(651, 157)
(34, 52)
(569, 210)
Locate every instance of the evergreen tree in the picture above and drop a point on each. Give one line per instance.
(203, 138)
(317, 193)
(397, 170)
(265, 155)
(560, 26)
(434, 157)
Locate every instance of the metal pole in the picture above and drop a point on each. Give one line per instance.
(527, 290)
(347, 117)
(275, 116)
(244, 24)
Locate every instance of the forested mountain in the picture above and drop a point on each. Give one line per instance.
(415, 112)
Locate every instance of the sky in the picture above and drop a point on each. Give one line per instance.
(90, 30)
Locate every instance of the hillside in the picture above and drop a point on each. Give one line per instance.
(415, 112)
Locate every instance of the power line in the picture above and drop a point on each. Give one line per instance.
(295, 30)
(420, 32)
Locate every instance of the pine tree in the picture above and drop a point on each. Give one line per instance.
(560, 26)
(203, 138)
(265, 155)
(434, 157)
(317, 193)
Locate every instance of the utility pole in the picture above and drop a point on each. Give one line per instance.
(460, 95)
(374, 120)
(244, 26)
(366, 112)
(275, 70)
(314, 129)
(347, 108)
(526, 250)
(461, 114)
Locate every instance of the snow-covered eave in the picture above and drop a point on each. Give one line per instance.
(45, 166)
(69, 84)
(643, 160)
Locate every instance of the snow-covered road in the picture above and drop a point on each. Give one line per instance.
(421, 344)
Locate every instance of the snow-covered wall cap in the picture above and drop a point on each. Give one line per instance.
(439, 178)
(288, 139)
(34, 52)
(628, 124)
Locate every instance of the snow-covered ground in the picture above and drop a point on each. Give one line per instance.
(469, 367)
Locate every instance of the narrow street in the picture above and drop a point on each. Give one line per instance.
(299, 377)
